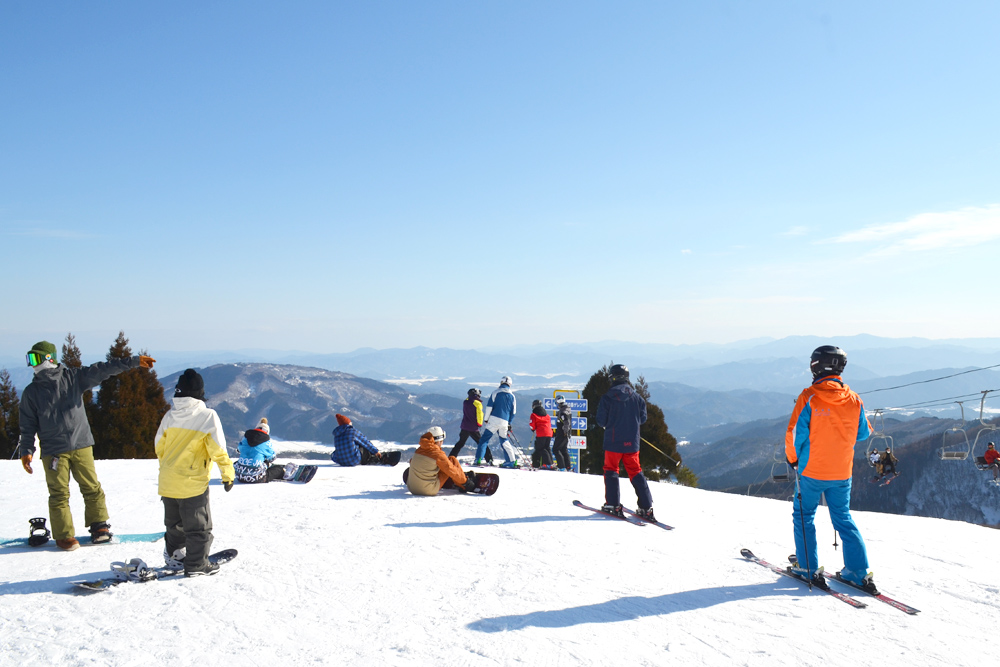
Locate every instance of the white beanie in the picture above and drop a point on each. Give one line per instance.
(262, 426)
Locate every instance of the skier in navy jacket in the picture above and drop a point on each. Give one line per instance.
(620, 413)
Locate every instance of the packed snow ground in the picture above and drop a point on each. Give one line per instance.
(353, 570)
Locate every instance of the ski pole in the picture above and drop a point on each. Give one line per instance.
(676, 463)
(802, 518)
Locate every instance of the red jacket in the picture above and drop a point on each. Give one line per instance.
(991, 455)
(542, 426)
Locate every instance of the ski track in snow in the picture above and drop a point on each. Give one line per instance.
(351, 569)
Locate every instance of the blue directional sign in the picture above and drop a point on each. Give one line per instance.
(579, 423)
(575, 404)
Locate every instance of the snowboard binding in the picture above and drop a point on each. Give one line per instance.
(134, 570)
(38, 534)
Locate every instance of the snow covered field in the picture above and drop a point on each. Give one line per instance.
(353, 570)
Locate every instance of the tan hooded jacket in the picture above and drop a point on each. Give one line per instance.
(430, 468)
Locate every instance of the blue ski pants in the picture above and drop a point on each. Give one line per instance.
(838, 501)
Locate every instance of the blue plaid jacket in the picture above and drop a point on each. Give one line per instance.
(346, 440)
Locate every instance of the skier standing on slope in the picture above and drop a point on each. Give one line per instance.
(827, 421)
(541, 424)
(620, 413)
(564, 425)
(52, 408)
(256, 462)
(351, 446)
(499, 412)
(188, 440)
(430, 470)
(472, 421)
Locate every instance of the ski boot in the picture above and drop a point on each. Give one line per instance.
(510, 464)
(865, 583)
(645, 515)
(38, 534)
(615, 510)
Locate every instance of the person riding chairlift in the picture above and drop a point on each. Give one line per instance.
(889, 462)
(992, 457)
(876, 460)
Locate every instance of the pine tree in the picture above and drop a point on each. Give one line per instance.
(128, 410)
(658, 453)
(72, 358)
(10, 431)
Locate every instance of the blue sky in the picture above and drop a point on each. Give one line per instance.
(334, 175)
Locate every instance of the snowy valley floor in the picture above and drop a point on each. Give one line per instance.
(353, 570)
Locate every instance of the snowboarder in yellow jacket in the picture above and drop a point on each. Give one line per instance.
(188, 440)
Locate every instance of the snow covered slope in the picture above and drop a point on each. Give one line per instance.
(353, 570)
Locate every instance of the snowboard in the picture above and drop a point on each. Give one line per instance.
(84, 541)
(303, 474)
(219, 557)
(390, 458)
(486, 482)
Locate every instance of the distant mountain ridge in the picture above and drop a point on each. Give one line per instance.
(301, 403)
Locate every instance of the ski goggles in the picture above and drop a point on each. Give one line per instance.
(36, 358)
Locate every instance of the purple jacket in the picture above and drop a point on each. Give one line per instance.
(472, 415)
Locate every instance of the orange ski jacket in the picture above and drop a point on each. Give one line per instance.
(827, 421)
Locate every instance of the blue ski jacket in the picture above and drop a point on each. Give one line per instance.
(502, 404)
(620, 413)
(346, 440)
(252, 455)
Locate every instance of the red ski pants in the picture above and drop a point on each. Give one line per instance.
(614, 459)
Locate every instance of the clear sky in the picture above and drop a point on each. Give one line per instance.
(332, 175)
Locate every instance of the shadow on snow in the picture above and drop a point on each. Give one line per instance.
(632, 607)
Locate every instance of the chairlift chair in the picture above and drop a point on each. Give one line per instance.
(956, 451)
(780, 470)
(978, 458)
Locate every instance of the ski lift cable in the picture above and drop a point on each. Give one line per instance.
(944, 377)
(934, 402)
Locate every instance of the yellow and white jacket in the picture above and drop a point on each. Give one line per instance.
(188, 440)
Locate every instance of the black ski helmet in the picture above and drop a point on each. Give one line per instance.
(475, 394)
(827, 360)
(619, 374)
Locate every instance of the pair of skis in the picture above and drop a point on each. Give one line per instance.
(843, 597)
(630, 516)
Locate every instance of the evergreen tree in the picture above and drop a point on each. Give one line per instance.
(658, 450)
(128, 410)
(72, 358)
(10, 431)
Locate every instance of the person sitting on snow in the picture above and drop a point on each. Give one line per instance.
(430, 470)
(992, 457)
(351, 446)
(256, 462)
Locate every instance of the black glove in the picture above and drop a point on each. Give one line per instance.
(470, 485)
(793, 465)
(228, 486)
